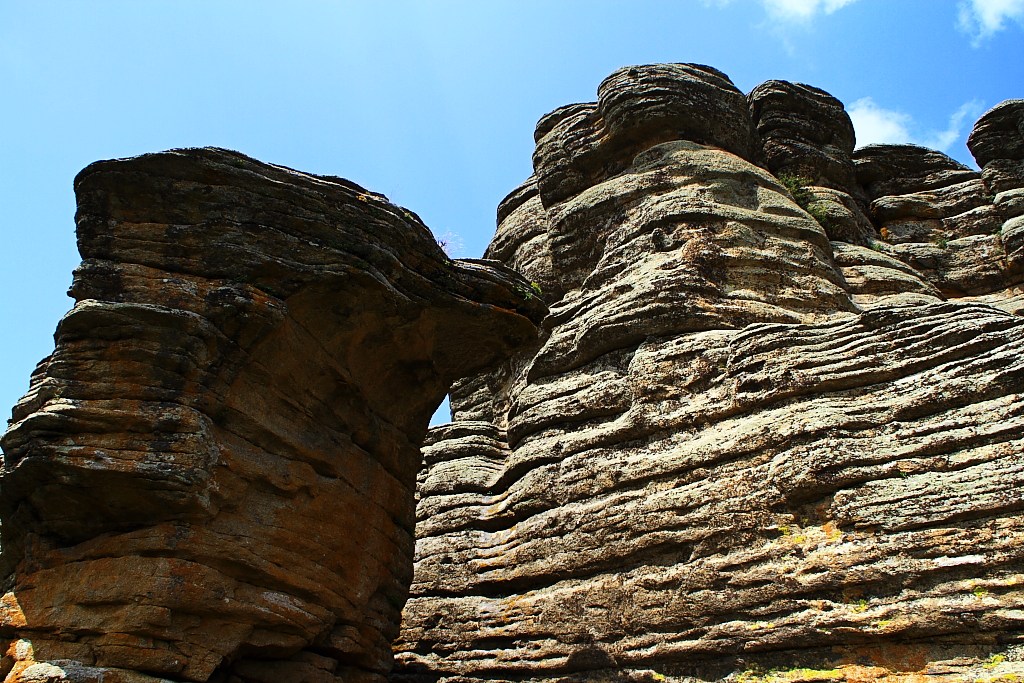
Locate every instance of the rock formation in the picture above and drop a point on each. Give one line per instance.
(773, 426)
(997, 143)
(212, 477)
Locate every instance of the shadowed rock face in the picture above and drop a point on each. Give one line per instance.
(805, 132)
(212, 476)
(749, 438)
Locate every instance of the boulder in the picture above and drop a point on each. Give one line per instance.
(999, 133)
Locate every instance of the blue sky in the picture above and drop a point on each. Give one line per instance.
(431, 103)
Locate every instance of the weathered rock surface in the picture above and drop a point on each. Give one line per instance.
(749, 439)
(935, 215)
(804, 132)
(212, 477)
(997, 142)
(771, 429)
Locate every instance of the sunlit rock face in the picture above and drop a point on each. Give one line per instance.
(212, 477)
(772, 427)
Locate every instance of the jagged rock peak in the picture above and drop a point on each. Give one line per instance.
(212, 476)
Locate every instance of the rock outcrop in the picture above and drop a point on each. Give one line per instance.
(212, 477)
(772, 427)
(997, 143)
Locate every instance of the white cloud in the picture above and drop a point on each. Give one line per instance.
(792, 11)
(801, 10)
(874, 124)
(983, 18)
(967, 114)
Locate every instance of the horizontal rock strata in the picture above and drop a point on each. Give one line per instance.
(997, 142)
(212, 477)
(772, 429)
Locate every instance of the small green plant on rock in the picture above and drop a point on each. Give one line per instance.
(798, 188)
(819, 213)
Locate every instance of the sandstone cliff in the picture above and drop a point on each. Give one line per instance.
(773, 425)
(212, 477)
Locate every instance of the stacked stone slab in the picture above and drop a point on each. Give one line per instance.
(997, 143)
(765, 433)
(936, 216)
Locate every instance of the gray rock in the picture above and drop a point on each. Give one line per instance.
(939, 217)
(583, 143)
(999, 133)
(997, 142)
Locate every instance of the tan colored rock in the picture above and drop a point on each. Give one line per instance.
(212, 476)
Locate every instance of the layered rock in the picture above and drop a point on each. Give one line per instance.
(804, 132)
(935, 215)
(212, 476)
(751, 438)
(997, 143)
(807, 139)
